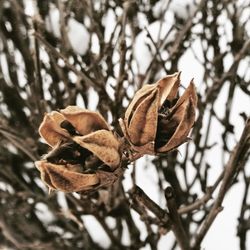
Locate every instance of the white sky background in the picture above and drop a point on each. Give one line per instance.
(222, 234)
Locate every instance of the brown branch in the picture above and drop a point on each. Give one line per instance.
(157, 49)
(122, 50)
(213, 91)
(236, 161)
(63, 26)
(175, 218)
(81, 74)
(182, 33)
(19, 143)
(38, 77)
(244, 222)
(139, 195)
(203, 200)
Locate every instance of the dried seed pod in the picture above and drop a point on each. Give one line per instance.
(156, 121)
(81, 143)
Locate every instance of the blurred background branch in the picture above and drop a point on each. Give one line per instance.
(97, 54)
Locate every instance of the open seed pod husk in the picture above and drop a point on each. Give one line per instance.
(84, 151)
(157, 121)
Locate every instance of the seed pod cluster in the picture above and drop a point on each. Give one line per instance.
(86, 154)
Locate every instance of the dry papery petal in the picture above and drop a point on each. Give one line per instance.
(57, 177)
(83, 120)
(50, 129)
(102, 144)
(168, 87)
(139, 96)
(184, 115)
(142, 127)
(40, 165)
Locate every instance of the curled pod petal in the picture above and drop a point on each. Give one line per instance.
(139, 96)
(103, 144)
(184, 119)
(83, 120)
(57, 177)
(41, 166)
(143, 123)
(168, 87)
(181, 119)
(50, 129)
(189, 92)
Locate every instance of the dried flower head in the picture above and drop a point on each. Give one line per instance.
(85, 153)
(156, 121)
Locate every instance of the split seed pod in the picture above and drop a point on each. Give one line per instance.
(156, 121)
(84, 150)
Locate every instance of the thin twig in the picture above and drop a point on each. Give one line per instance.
(202, 201)
(139, 195)
(175, 218)
(79, 73)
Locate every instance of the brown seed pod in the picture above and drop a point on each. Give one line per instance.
(156, 121)
(83, 149)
